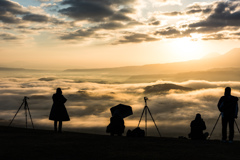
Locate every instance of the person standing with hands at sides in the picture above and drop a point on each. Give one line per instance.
(58, 112)
(228, 106)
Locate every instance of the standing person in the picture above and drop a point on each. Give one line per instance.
(228, 107)
(58, 112)
(197, 127)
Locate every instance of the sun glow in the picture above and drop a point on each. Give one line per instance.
(188, 48)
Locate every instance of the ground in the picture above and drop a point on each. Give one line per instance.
(22, 144)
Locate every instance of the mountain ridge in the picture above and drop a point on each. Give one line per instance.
(229, 59)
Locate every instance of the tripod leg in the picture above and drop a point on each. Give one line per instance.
(30, 114)
(25, 108)
(154, 122)
(16, 113)
(237, 126)
(146, 120)
(214, 126)
(141, 116)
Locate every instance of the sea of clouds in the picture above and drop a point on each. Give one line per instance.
(89, 103)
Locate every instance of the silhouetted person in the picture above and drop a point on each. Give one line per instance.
(116, 125)
(228, 107)
(58, 112)
(197, 128)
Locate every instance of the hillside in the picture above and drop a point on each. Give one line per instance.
(218, 74)
(21, 144)
(230, 59)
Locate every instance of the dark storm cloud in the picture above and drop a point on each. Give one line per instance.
(136, 38)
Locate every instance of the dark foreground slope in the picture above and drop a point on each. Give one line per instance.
(19, 144)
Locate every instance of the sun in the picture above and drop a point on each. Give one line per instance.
(187, 48)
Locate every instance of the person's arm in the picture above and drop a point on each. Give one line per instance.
(220, 104)
(236, 110)
(64, 99)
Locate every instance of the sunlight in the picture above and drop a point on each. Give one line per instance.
(188, 48)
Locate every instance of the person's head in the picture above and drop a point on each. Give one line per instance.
(198, 116)
(227, 91)
(59, 91)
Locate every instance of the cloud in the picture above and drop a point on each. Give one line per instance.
(35, 18)
(89, 104)
(84, 10)
(79, 34)
(44, 1)
(9, 11)
(10, 37)
(211, 20)
(91, 21)
(96, 11)
(136, 38)
(47, 79)
(162, 88)
(165, 2)
(169, 32)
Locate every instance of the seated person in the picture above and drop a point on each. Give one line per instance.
(116, 126)
(197, 127)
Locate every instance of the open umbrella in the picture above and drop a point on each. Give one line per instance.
(121, 110)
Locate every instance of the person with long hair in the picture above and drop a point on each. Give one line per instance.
(58, 112)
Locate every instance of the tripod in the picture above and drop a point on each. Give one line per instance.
(216, 124)
(146, 109)
(26, 108)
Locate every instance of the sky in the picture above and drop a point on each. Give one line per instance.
(63, 34)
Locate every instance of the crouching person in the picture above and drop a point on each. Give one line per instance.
(197, 128)
(116, 125)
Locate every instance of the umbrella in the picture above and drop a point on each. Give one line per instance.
(121, 110)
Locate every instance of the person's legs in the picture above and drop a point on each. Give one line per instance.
(60, 127)
(224, 129)
(55, 126)
(231, 129)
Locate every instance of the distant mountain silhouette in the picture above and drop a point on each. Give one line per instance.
(18, 69)
(218, 74)
(230, 59)
(211, 55)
